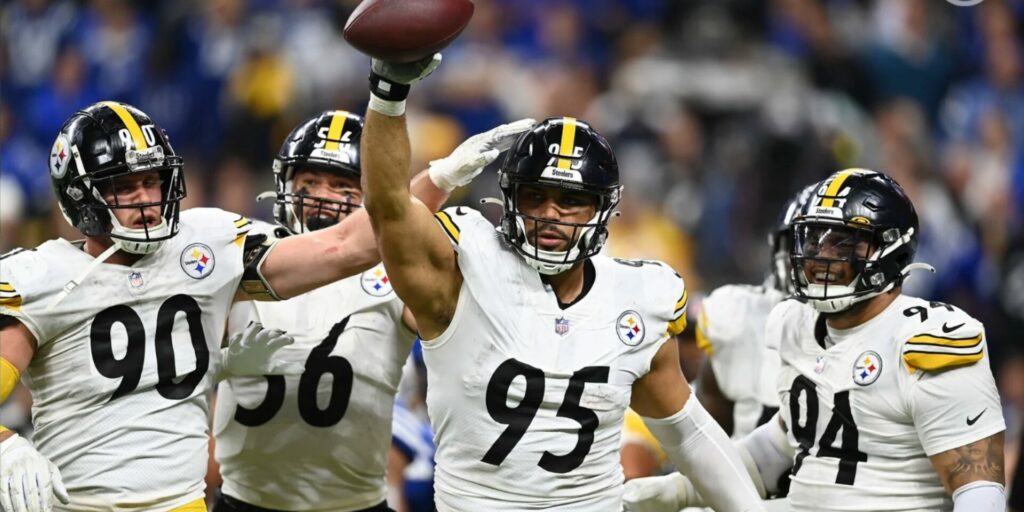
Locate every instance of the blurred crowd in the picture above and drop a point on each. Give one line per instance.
(718, 111)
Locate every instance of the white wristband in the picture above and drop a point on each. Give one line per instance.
(386, 107)
(979, 496)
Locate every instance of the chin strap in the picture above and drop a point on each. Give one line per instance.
(72, 284)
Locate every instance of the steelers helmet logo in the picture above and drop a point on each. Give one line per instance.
(630, 328)
(375, 281)
(197, 261)
(867, 368)
(60, 155)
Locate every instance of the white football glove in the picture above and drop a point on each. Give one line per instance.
(28, 481)
(406, 72)
(469, 159)
(251, 353)
(668, 493)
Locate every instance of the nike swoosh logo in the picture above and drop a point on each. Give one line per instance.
(947, 329)
(972, 421)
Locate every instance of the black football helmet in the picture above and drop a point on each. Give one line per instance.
(780, 240)
(566, 153)
(97, 145)
(854, 211)
(327, 141)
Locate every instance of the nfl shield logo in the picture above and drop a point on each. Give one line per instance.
(561, 326)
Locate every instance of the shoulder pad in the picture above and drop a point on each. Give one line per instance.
(716, 323)
(939, 337)
(668, 290)
(218, 221)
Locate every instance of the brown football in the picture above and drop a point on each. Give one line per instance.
(406, 30)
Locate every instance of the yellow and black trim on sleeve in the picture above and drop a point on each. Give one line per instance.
(9, 297)
(678, 325)
(929, 352)
(242, 225)
(449, 226)
(9, 376)
(703, 342)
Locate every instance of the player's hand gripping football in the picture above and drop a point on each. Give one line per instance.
(406, 72)
(252, 352)
(469, 159)
(28, 481)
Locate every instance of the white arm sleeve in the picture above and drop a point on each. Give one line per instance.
(700, 449)
(981, 496)
(770, 452)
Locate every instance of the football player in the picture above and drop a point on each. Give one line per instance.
(888, 401)
(320, 440)
(118, 336)
(535, 343)
(730, 330)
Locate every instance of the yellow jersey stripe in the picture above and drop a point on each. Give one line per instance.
(938, 341)
(240, 239)
(9, 376)
(242, 221)
(703, 343)
(930, 362)
(835, 186)
(11, 302)
(6, 287)
(449, 226)
(334, 132)
(192, 506)
(677, 326)
(682, 302)
(568, 142)
(129, 123)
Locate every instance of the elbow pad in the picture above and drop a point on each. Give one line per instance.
(257, 247)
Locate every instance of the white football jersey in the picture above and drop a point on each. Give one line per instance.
(527, 399)
(730, 329)
(120, 379)
(319, 440)
(866, 413)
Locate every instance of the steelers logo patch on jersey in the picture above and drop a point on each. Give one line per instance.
(867, 368)
(60, 155)
(630, 328)
(375, 282)
(197, 261)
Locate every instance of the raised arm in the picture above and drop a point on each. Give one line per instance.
(420, 260)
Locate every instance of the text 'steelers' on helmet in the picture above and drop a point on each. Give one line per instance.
(859, 217)
(328, 141)
(566, 153)
(780, 239)
(100, 144)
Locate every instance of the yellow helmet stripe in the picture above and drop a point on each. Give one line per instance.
(833, 188)
(334, 132)
(129, 122)
(568, 142)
